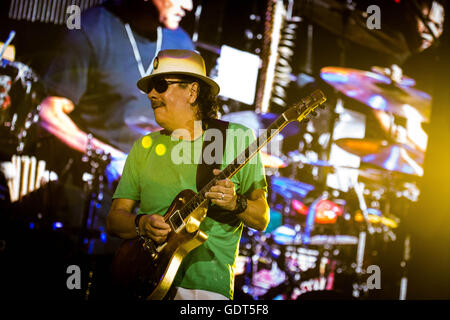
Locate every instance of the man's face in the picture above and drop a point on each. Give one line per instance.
(173, 108)
(172, 11)
(435, 17)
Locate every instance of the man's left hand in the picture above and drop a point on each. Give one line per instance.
(223, 193)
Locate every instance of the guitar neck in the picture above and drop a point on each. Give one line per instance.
(296, 112)
(238, 163)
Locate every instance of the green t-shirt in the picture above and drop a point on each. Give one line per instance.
(159, 166)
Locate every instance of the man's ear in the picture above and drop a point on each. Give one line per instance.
(194, 92)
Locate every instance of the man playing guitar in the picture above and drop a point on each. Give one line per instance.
(183, 100)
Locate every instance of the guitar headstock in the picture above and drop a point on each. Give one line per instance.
(306, 105)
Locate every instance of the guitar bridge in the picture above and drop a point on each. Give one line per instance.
(176, 221)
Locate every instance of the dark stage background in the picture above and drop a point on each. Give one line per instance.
(240, 25)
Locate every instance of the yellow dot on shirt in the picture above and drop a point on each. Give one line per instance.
(146, 142)
(160, 149)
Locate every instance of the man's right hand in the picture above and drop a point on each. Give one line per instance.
(153, 226)
(54, 116)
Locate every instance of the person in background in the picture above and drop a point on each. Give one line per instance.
(92, 99)
(184, 101)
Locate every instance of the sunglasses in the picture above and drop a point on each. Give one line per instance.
(161, 85)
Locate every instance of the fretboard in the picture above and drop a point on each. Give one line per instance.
(236, 165)
(298, 111)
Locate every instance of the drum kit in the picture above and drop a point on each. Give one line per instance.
(322, 237)
(318, 234)
(20, 91)
(27, 180)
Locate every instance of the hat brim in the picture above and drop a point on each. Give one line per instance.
(143, 83)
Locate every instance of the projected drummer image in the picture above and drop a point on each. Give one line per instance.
(255, 150)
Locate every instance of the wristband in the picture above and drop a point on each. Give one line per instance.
(241, 204)
(136, 223)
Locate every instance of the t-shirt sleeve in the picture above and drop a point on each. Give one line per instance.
(176, 39)
(252, 176)
(68, 73)
(129, 186)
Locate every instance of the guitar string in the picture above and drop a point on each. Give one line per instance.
(232, 167)
(193, 204)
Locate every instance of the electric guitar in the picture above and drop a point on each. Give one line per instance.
(147, 269)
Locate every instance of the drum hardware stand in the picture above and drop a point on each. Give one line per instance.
(11, 36)
(256, 245)
(403, 265)
(358, 187)
(342, 42)
(98, 161)
(309, 224)
(32, 118)
(360, 252)
(406, 255)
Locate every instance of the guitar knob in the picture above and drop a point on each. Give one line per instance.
(154, 255)
(192, 225)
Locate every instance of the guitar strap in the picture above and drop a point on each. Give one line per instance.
(204, 170)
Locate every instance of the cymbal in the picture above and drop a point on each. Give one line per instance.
(377, 219)
(381, 153)
(361, 147)
(396, 158)
(379, 92)
(349, 23)
(372, 175)
(297, 157)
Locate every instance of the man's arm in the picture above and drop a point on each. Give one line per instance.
(120, 219)
(120, 222)
(257, 214)
(54, 118)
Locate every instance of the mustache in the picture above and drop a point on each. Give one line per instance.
(156, 103)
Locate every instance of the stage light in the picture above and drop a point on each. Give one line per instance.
(377, 102)
(57, 225)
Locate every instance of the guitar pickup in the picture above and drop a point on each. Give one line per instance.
(176, 221)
